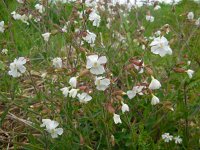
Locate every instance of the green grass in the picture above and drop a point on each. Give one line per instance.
(91, 126)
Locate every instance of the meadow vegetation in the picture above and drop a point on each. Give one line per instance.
(83, 75)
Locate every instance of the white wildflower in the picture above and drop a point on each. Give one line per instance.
(73, 93)
(149, 18)
(2, 28)
(16, 16)
(65, 91)
(84, 98)
(167, 137)
(190, 73)
(178, 140)
(4, 51)
(40, 8)
(160, 46)
(95, 18)
(136, 90)
(73, 82)
(155, 84)
(17, 67)
(57, 62)
(155, 100)
(125, 107)
(190, 16)
(95, 64)
(46, 36)
(90, 37)
(116, 118)
(197, 22)
(102, 83)
(51, 127)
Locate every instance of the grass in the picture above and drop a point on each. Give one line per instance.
(91, 126)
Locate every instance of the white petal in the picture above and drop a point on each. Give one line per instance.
(59, 131)
(97, 70)
(102, 60)
(131, 94)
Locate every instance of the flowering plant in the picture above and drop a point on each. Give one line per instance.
(109, 75)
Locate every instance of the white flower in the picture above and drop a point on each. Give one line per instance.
(197, 22)
(102, 83)
(46, 36)
(155, 84)
(2, 26)
(160, 46)
(95, 64)
(157, 7)
(90, 37)
(95, 18)
(4, 51)
(20, 1)
(16, 16)
(73, 93)
(136, 90)
(45, 122)
(167, 137)
(125, 107)
(57, 62)
(23, 17)
(131, 94)
(178, 140)
(190, 16)
(190, 73)
(37, 19)
(30, 16)
(51, 127)
(155, 100)
(116, 118)
(65, 91)
(84, 98)
(64, 29)
(73, 82)
(43, 75)
(90, 3)
(17, 67)
(149, 18)
(40, 8)
(158, 33)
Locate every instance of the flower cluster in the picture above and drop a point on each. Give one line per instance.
(136, 79)
(167, 138)
(51, 127)
(17, 67)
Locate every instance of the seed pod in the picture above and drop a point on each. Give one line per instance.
(82, 88)
(88, 11)
(110, 108)
(82, 49)
(180, 63)
(168, 105)
(112, 140)
(119, 98)
(119, 92)
(179, 70)
(128, 67)
(84, 72)
(54, 32)
(81, 140)
(84, 33)
(149, 70)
